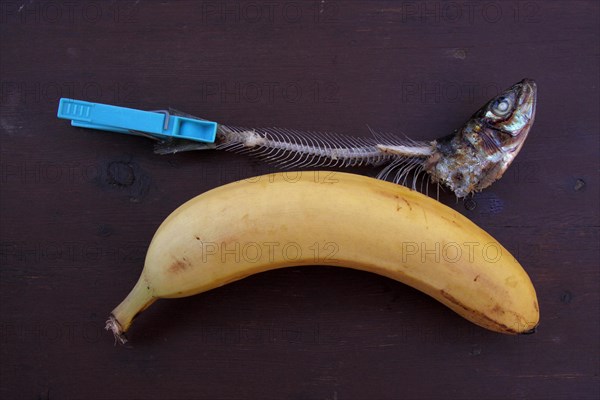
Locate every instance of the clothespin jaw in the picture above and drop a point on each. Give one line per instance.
(111, 118)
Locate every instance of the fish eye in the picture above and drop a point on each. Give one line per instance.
(502, 106)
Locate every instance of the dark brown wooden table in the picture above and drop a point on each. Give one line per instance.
(79, 207)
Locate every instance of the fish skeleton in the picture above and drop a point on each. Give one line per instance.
(466, 161)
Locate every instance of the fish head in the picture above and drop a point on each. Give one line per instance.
(481, 151)
(499, 130)
(508, 117)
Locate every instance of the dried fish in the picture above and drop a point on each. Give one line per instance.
(467, 161)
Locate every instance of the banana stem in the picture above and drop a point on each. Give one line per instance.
(136, 301)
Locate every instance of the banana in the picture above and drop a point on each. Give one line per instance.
(331, 218)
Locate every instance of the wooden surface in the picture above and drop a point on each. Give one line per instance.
(79, 207)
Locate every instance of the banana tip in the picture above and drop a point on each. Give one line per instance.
(530, 332)
(115, 327)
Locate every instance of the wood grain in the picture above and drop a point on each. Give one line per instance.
(79, 207)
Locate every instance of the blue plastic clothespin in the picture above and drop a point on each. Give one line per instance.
(160, 124)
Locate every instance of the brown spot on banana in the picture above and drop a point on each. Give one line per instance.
(519, 326)
(479, 317)
(179, 265)
(497, 309)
